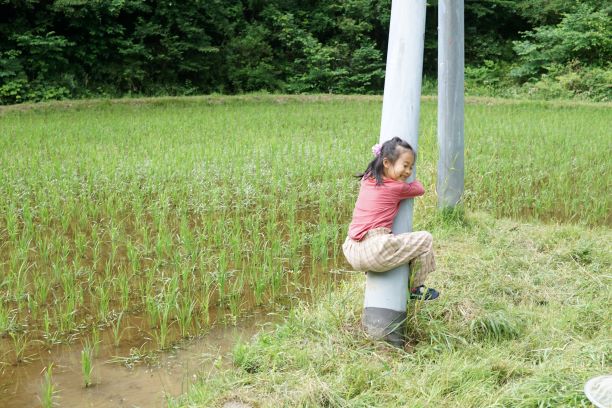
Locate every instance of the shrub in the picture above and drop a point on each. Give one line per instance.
(582, 37)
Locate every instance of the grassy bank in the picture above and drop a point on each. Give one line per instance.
(523, 321)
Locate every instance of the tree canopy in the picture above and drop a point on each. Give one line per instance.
(79, 48)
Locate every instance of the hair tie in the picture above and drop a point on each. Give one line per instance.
(376, 149)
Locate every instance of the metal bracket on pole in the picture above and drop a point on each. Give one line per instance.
(386, 293)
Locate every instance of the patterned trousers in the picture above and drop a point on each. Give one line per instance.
(380, 251)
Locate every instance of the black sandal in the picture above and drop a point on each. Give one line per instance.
(423, 293)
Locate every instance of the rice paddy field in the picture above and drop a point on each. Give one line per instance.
(156, 220)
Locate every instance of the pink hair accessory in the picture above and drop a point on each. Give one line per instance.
(376, 149)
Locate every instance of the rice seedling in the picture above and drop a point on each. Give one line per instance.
(163, 242)
(152, 309)
(87, 363)
(162, 330)
(115, 325)
(133, 256)
(222, 275)
(32, 305)
(48, 392)
(56, 271)
(102, 294)
(10, 220)
(65, 318)
(41, 288)
(114, 244)
(80, 243)
(186, 269)
(64, 251)
(184, 313)
(235, 297)
(259, 289)
(122, 284)
(20, 280)
(95, 341)
(45, 248)
(7, 319)
(172, 288)
(205, 296)
(20, 344)
(95, 251)
(50, 336)
(27, 219)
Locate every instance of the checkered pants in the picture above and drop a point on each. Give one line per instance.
(380, 251)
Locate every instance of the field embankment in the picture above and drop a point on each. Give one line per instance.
(523, 321)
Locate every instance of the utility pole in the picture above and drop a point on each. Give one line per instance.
(386, 294)
(450, 180)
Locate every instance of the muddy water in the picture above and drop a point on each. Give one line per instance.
(146, 384)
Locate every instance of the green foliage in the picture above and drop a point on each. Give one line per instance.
(538, 12)
(569, 81)
(67, 48)
(72, 48)
(331, 50)
(583, 37)
(366, 71)
(569, 58)
(488, 78)
(250, 61)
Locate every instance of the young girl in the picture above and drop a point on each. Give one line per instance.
(370, 245)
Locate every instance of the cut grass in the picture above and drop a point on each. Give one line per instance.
(520, 323)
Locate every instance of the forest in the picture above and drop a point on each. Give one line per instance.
(112, 48)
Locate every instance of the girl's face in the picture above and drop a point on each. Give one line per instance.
(402, 168)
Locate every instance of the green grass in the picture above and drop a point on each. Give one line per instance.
(522, 322)
(191, 211)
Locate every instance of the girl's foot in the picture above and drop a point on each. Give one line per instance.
(423, 293)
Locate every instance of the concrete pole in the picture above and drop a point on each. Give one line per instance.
(384, 313)
(450, 181)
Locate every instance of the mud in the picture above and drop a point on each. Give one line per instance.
(126, 376)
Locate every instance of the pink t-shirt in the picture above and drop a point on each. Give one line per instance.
(377, 205)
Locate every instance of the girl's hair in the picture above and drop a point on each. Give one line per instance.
(388, 150)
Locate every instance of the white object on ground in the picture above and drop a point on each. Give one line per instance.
(599, 391)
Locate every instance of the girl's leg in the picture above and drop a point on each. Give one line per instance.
(420, 267)
(387, 251)
(418, 252)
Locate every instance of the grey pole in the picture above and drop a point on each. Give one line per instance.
(450, 180)
(384, 313)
